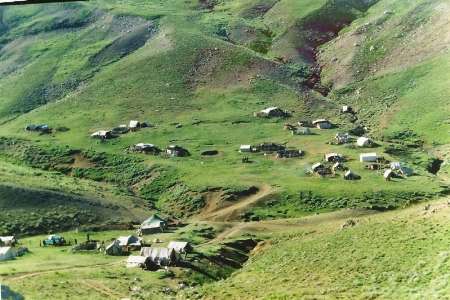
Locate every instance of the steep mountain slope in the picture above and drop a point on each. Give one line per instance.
(391, 63)
(197, 70)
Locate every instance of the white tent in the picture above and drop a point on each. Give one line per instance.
(130, 240)
(179, 247)
(101, 134)
(349, 175)
(332, 157)
(315, 167)
(114, 248)
(7, 253)
(134, 124)
(245, 148)
(395, 165)
(388, 174)
(322, 124)
(363, 142)
(269, 110)
(405, 171)
(8, 240)
(135, 261)
(368, 157)
(346, 109)
(160, 255)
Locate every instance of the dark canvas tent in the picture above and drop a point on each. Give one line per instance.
(152, 225)
(7, 253)
(114, 248)
(130, 241)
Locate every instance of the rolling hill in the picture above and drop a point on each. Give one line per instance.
(208, 66)
(197, 71)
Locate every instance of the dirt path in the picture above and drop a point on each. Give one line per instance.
(214, 212)
(314, 223)
(20, 276)
(326, 222)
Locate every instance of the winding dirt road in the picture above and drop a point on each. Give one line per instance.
(215, 212)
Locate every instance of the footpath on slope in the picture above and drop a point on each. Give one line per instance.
(215, 211)
(326, 222)
(24, 275)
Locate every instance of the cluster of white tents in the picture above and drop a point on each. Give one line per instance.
(123, 128)
(153, 258)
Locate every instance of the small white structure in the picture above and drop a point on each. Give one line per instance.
(8, 241)
(405, 171)
(337, 166)
(134, 124)
(322, 124)
(7, 253)
(368, 157)
(153, 224)
(114, 248)
(146, 148)
(143, 146)
(179, 247)
(388, 174)
(245, 148)
(160, 255)
(334, 157)
(135, 261)
(176, 151)
(130, 241)
(395, 165)
(316, 167)
(349, 175)
(346, 109)
(102, 134)
(364, 142)
(272, 112)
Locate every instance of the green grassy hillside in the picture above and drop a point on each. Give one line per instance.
(197, 70)
(399, 255)
(209, 66)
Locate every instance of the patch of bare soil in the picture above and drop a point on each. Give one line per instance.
(218, 209)
(208, 71)
(81, 162)
(208, 61)
(21, 276)
(127, 43)
(424, 42)
(235, 253)
(322, 222)
(337, 66)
